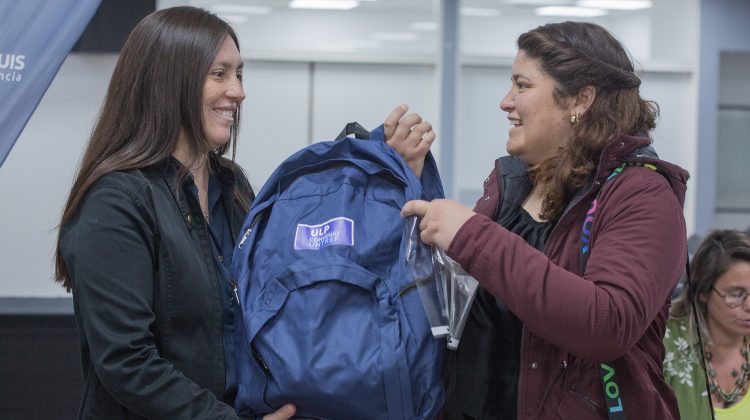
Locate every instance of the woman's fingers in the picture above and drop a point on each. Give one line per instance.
(410, 136)
(427, 140)
(405, 128)
(415, 208)
(391, 121)
(441, 219)
(283, 413)
(418, 132)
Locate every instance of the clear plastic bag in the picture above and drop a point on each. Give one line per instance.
(463, 288)
(445, 289)
(431, 292)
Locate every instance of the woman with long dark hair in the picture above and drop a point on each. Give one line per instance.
(148, 230)
(577, 243)
(719, 287)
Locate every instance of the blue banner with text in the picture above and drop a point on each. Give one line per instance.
(35, 38)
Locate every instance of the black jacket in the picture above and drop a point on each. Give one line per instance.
(146, 296)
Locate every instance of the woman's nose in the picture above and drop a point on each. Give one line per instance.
(236, 92)
(507, 103)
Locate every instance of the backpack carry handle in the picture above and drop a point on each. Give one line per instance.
(430, 179)
(356, 129)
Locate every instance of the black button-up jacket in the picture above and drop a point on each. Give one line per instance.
(146, 293)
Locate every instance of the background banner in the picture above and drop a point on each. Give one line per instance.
(35, 38)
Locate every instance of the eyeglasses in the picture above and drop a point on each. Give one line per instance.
(735, 298)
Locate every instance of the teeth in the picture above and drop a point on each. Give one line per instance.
(228, 114)
(514, 121)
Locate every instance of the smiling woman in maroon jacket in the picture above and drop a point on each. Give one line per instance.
(546, 317)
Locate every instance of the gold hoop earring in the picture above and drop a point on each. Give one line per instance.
(574, 118)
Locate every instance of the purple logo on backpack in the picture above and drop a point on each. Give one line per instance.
(337, 231)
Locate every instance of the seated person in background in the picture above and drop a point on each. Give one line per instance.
(720, 285)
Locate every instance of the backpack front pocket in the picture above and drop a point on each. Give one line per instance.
(325, 334)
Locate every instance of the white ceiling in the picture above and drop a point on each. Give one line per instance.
(386, 30)
(505, 6)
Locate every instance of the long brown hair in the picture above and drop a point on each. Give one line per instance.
(156, 90)
(576, 55)
(715, 256)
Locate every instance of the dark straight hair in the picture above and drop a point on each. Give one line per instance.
(576, 55)
(156, 91)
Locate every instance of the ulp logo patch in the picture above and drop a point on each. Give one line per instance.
(337, 231)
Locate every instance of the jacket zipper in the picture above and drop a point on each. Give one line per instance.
(577, 200)
(574, 203)
(495, 214)
(235, 289)
(546, 242)
(520, 372)
(588, 401)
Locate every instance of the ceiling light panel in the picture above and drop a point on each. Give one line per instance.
(616, 4)
(570, 11)
(539, 2)
(324, 4)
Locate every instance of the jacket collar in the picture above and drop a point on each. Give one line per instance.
(639, 149)
(624, 149)
(513, 176)
(170, 169)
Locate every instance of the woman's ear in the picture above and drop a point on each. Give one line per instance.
(584, 99)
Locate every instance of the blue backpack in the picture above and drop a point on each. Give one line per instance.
(331, 320)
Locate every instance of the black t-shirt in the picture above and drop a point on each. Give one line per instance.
(482, 374)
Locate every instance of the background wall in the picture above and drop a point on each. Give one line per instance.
(732, 207)
(723, 29)
(296, 95)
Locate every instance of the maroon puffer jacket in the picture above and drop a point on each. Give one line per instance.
(615, 311)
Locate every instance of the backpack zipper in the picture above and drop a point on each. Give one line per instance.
(407, 288)
(260, 361)
(244, 237)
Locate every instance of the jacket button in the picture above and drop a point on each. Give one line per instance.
(534, 365)
(190, 219)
